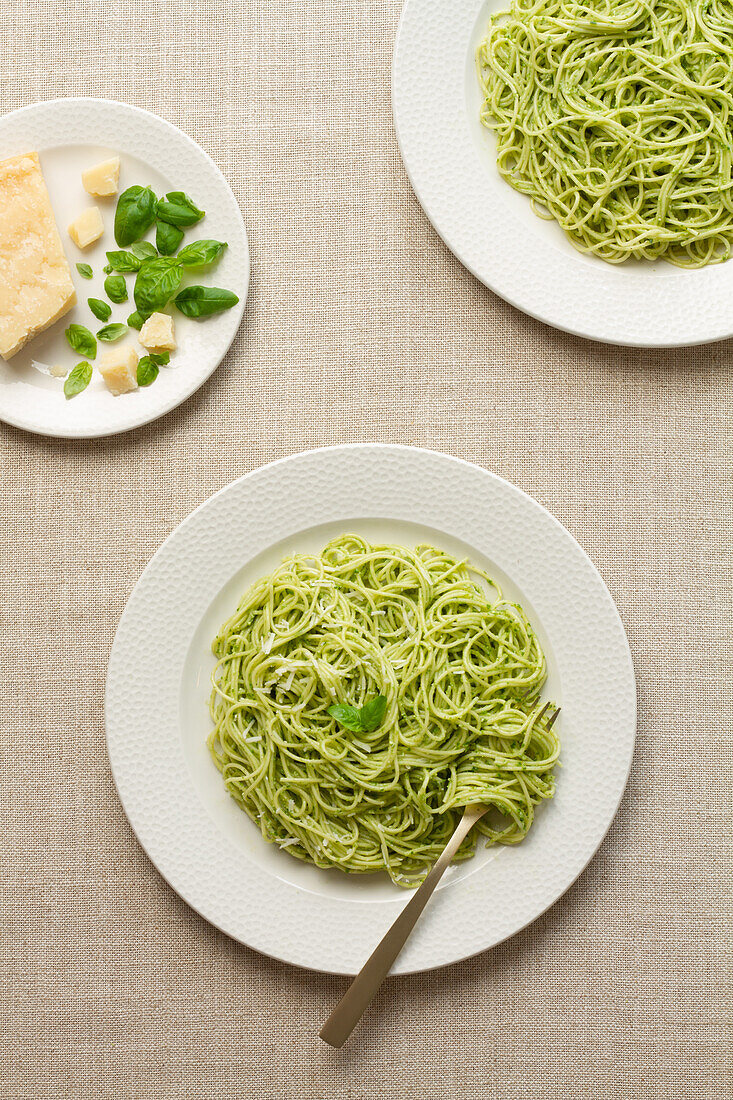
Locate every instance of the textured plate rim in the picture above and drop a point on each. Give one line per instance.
(445, 171)
(135, 792)
(146, 117)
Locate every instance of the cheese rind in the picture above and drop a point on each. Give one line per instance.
(118, 368)
(102, 179)
(35, 280)
(87, 228)
(157, 333)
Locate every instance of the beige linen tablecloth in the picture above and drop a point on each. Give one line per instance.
(360, 326)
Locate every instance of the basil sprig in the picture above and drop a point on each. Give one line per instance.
(158, 270)
(101, 310)
(81, 340)
(178, 209)
(78, 379)
(167, 238)
(115, 288)
(200, 253)
(110, 333)
(360, 719)
(134, 215)
(156, 282)
(203, 301)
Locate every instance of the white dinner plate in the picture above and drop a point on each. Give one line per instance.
(159, 683)
(71, 135)
(450, 159)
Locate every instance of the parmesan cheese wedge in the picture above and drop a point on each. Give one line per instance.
(35, 280)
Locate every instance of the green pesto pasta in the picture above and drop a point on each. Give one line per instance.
(455, 673)
(616, 118)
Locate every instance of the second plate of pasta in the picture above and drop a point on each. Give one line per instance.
(576, 158)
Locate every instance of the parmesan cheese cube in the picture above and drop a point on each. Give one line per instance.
(157, 333)
(118, 368)
(87, 228)
(35, 280)
(102, 180)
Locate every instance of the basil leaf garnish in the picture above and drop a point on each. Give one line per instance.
(78, 379)
(156, 281)
(178, 209)
(200, 253)
(137, 320)
(202, 301)
(134, 215)
(167, 238)
(115, 288)
(101, 310)
(161, 358)
(147, 371)
(372, 713)
(110, 333)
(346, 716)
(81, 340)
(360, 719)
(85, 271)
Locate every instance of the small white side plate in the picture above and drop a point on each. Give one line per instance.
(73, 134)
(449, 157)
(158, 689)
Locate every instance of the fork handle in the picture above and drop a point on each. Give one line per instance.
(362, 990)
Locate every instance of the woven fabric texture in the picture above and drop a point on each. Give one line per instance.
(360, 326)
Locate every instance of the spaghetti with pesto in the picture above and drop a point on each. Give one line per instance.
(616, 118)
(362, 697)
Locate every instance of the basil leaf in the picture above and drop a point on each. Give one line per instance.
(137, 320)
(85, 271)
(372, 713)
(167, 238)
(200, 253)
(178, 209)
(346, 716)
(78, 379)
(161, 358)
(115, 288)
(101, 310)
(156, 281)
(107, 269)
(110, 333)
(360, 719)
(147, 371)
(134, 215)
(81, 340)
(144, 250)
(202, 301)
(124, 261)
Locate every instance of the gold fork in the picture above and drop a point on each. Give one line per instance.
(363, 989)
